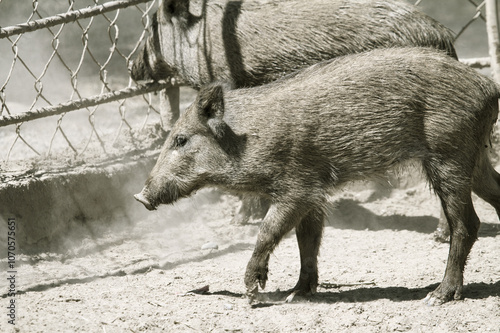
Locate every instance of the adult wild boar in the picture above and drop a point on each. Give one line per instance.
(354, 117)
(253, 42)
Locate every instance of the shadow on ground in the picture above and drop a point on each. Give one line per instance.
(145, 267)
(366, 294)
(350, 214)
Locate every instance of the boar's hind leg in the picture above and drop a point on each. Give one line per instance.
(442, 232)
(486, 182)
(281, 218)
(449, 180)
(308, 232)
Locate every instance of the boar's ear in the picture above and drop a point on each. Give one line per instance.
(211, 101)
(211, 107)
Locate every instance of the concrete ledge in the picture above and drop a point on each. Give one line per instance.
(46, 206)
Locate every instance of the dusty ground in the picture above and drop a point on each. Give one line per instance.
(378, 259)
(377, 262)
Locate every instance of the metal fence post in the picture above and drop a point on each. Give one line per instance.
(493, 38)
(169, 107)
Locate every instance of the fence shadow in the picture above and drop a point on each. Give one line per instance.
(350, 214)
(145, 267)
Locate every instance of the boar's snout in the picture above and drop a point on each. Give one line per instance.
(147, 67)
(138, 70)
(142, 199)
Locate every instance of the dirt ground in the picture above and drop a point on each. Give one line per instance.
(378, 261)
(378, 258)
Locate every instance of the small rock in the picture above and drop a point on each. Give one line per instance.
(228, 306)
(411, 192)
(210, 246)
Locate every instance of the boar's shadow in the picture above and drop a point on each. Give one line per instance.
(477, 291)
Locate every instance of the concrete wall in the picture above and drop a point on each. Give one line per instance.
(47, 206)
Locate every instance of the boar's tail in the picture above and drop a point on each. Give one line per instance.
(450, 49)
(446, 43)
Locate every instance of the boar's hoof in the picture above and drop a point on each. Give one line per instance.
(290, 297)
(252, 294)
(140, 197)
(303, 290)
(431, 300)
(256, 275)
(436, 297)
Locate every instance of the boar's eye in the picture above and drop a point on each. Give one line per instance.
(171, 8)
(180, 141)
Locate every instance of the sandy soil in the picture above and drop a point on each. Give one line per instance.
(378, 259)
(377, 262)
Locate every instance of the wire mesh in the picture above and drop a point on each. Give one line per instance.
(61, 56)
(466, 18)
(67, 56)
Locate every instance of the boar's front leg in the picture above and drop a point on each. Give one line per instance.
(281, 218)
(309, 232)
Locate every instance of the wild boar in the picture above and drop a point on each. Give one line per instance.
(257, 41)
(351, 118)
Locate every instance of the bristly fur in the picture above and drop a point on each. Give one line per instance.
(341, 120)
(252, 42)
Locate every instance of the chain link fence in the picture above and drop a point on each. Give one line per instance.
(71, 56)
(65, 94)
(469, 25)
